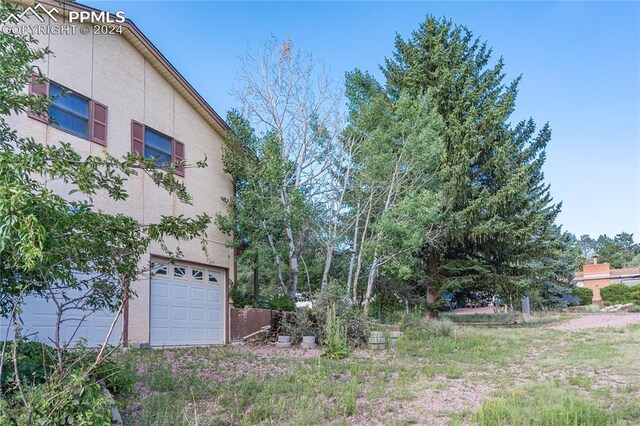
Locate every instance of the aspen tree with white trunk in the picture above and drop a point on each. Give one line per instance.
(288, 110)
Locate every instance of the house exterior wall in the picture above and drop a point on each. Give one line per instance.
(111, 71)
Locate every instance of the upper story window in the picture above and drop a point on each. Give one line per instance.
(153, 144)
(158, 146)
(69, 111)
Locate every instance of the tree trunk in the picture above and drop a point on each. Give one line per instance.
(352, 261)
(359, 263)
(256, 289)
(371, 279)
(327, 267)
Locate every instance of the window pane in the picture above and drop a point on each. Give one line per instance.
(161, 157)
(159, 268)
(69, 111)
(69, 122)
(214, 277)
(179, 271)
(196, 274)
(157, 146)
(70, 102)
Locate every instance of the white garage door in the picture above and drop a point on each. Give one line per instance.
(39, 323)
(186, 305)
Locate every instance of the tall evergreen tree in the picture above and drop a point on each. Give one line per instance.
(498, 215)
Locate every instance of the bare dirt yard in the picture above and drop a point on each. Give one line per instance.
(588, 321)
(584, 370)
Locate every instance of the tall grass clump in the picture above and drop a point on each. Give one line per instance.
(337, 346)
(441, 327)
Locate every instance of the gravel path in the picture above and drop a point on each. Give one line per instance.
(598, 321)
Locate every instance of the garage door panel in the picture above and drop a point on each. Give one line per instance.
(39, 323)
(161, 290)
(197, 314)
(180, 292)
(193, 315)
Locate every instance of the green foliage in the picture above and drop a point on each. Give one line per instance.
(303, 323)
(357, 324)
(282, 303)
(496, 214)
(620, 251)
(63, 393)
(542, 404)
(440, 328)
(241, 299)
(585, 295)
(593, 308)
(72, 400)
(335, 336)
(35, 362)
(620, 293)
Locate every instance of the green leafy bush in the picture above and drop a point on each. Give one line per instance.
(585, 295)
(619, 293)
(335, 336)
(35, 361)
(71, 393)
(439, 328)
(282, 303)
(357, 325)
(303, 323)
(74, 400)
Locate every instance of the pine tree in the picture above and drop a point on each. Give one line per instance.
(498, 220)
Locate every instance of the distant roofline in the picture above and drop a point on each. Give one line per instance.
(150, 52)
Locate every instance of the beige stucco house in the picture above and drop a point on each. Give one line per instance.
(125, 96)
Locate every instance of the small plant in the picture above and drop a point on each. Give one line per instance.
(593, 308)
(282, 303)
(299, 325)
(439, 328)
(335, 336)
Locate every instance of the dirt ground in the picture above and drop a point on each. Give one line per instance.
(598, 321)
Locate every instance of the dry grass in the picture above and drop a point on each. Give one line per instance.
(490, 376)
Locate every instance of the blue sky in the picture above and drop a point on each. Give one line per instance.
(580, 63)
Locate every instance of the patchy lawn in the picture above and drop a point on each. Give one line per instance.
(490, 376)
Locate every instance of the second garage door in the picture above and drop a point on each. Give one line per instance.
(187, 306)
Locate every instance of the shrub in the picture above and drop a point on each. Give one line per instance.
(619, 293)
(61, 394)
(356, 323)
(35, 361)
(335, 336)
(303, 323)
(593, 308)
(282, 303)
(584, 294)
(438, 328)
(412, 319)
(240, 299)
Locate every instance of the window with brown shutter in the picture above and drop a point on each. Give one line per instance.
(158, 146)
(178, 155)
(38, 88)
(137, 137)
(99, 114)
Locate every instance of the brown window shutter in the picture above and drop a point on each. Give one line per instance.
(38, 89)
(99, 115)
(178, 155)
(137, 137)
